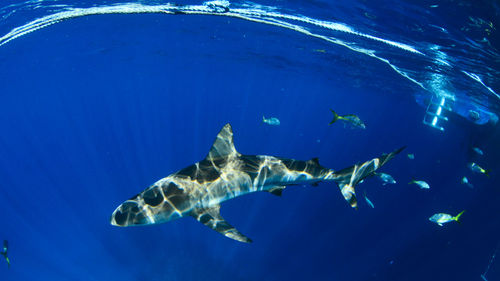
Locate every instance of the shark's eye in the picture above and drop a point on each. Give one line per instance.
(153, 197)
(120, 218)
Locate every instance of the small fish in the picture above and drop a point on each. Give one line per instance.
(411, 156)
(273, 121)
(368, 200)
(475, 168)
(478, 150)
(350, 119)
(465, 181)
(385, 178)
(442, 218)
(319, 51)
(421, 184)
(4, 252)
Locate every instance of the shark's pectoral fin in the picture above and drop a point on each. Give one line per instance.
(211, 217)
(276, 190)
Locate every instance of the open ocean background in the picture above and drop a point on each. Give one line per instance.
(99, 100)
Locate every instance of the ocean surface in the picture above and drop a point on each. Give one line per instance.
(99, 100)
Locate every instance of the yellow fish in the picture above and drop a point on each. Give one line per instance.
(351, 119)
(445, 218)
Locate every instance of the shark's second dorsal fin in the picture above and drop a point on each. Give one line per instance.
(276, 190)
(223, 145)
(211, 217)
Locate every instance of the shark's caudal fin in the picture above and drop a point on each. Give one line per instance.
(348, 178)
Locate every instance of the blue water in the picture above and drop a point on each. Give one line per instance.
(96, 108)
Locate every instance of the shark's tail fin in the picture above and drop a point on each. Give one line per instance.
(348, 178)
(335, 117)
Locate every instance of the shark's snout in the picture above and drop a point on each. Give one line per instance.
(127, 214)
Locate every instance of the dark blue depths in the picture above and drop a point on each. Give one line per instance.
(96, 109)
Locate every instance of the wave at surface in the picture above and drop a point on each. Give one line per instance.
(429, 66)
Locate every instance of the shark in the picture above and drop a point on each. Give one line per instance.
(198, 190)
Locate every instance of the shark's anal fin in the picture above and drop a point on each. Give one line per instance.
(276, 190)
(211, 217)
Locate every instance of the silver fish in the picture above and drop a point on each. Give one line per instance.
(385, 178)
(478, 150)
(477, 169)
(368, 200)
(442, 218)
(465, 181)
(421, 184)
(273, 121)
(351, 119)
(5, 252)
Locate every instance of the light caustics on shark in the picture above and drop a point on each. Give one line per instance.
(198, 190)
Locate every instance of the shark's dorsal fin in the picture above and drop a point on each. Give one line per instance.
(211, 217)
(314, 160)
(276, 190)
(223, 145)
